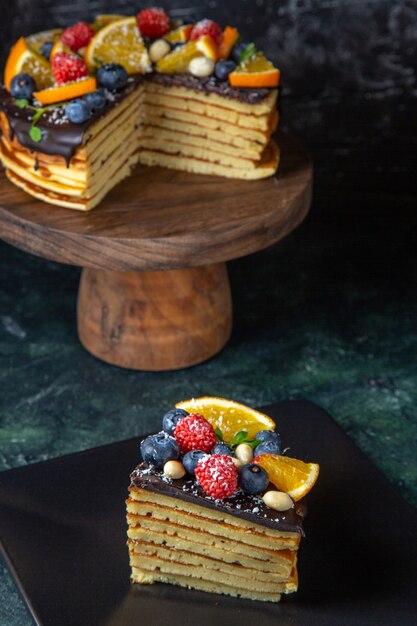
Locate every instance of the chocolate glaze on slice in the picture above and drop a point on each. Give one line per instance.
(250, 508)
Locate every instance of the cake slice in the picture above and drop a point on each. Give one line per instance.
(204, 514)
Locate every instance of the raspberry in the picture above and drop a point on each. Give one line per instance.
(77, 36)
(194, 432)
(68, 67)
(217, 476)
(207, 27)
(153, 23)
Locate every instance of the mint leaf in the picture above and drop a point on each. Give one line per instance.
(219, 433)
(247, 53)
(240, 437)
(35, 134)
(253, 444)
(21, 103)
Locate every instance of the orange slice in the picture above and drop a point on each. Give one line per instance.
(290, 475)
(255, 72)
(104, 19)
(23, 59)
(177, 61)
(59, 46)
(35, 41)
(229, 38)
(179, 35)
(231, 417)
(119, 42)
(67, 91)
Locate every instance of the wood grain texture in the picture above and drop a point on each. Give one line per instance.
(155, 320)
(163, 219)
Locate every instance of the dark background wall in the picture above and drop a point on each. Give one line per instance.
(348, 68)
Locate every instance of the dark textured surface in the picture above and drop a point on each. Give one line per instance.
(329, 314)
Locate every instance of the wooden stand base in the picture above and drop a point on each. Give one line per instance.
(155, 320)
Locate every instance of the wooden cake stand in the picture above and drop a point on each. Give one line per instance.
(154, 292)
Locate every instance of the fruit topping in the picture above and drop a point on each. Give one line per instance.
(177, 61)
(159, 49)
(201, 66)
(237, 51)
(253, 479)
(119, 42)
(193, 432)
(277, 500)
(224, 68)
(217, 476)
(229, 38)
(104, 19)
(67, 68)
(191, 459)
(96, 100)
(244, 452)
(159, 449)
(68, 91)
(229, 417)
(77, 111)
(153, 23)
(222, 448)
(45, 49)
(77, 36)
(207, 27)
(171, 419)
(268, 435)
(22, 86)
(269, 446)
(289, 475)
(112, 76)
(179, 35)
(174, 469)
(255, 71)
(59, 46)
(23, 59)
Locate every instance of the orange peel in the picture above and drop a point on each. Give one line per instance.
(68, 91)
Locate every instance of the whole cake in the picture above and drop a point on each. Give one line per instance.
(216, 505)
(80, 107)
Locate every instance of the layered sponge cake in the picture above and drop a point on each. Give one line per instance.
(81, 107)
(215, 506)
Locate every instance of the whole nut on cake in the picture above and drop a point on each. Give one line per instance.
(277, 500)
(201, 66)
(174, 469)
(159, 49)
(244, 452)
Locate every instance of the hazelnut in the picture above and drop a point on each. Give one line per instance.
(277, 500)
(174, 469)
(201, 66)
(244, 453)
(159, 49)
(238, 463)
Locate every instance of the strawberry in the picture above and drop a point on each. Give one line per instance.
(68, 68)
(207, 27)
(217, 476)
(194, 432)
(153, 23)
(77, 36)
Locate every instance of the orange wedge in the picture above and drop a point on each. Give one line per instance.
(231, 417)
(67, 91)
(104, 19)
(59, 46)
(290, 475)
(177, 61)
(179, 35)
(23, 59)
(119, 42)
(229, 38)
(255, 72)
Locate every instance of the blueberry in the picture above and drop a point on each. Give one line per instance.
(268, 447)
(46, 48)
(77, 111)
(158, 449)
(112, 76)
(171, 419)
(95, 99)
(237, 51)
(191, 459)
(253, 479)
(268, 435)
(223, 69)
(22, 86)
(222, 448)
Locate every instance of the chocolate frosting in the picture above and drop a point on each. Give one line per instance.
(250, 508)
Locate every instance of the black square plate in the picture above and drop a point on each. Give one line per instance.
(63, 533)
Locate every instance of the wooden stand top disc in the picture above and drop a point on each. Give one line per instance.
(164, 219)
